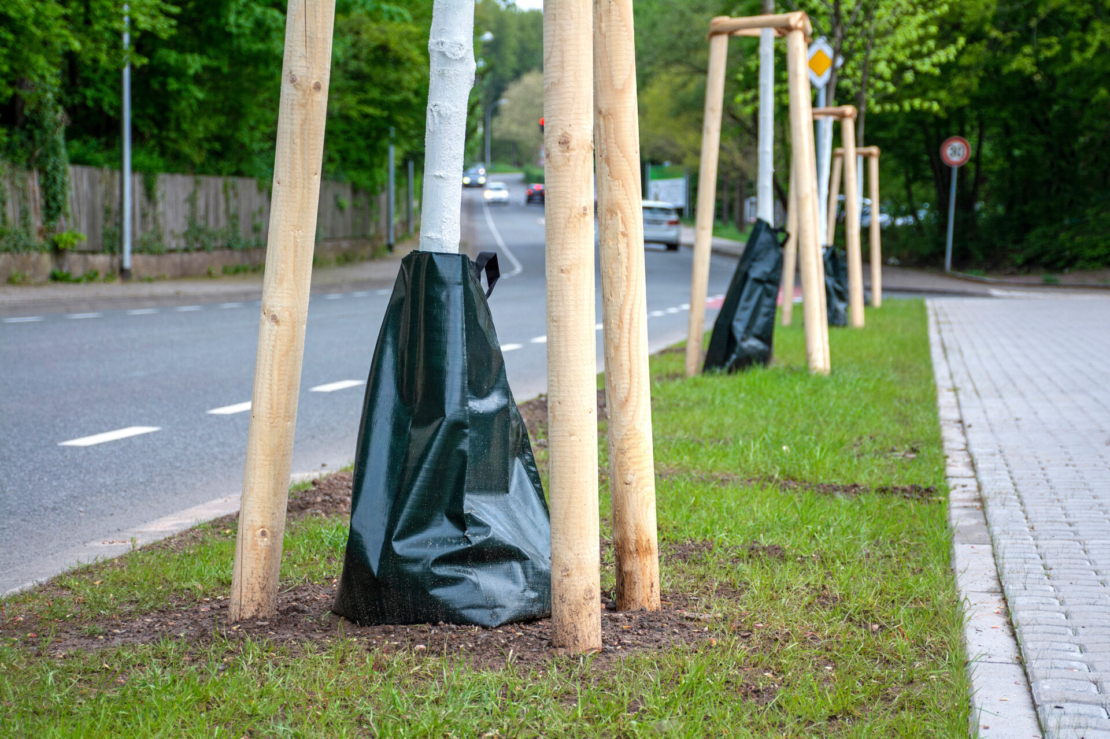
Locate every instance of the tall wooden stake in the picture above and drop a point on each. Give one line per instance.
(873, 230)
(851, 220)
(790, 255)
(805, 181)
(624, 305)
(834, 194)
(707, 194)
(306, 69)
(571, 353)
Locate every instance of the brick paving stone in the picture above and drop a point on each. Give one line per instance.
(1032, 380)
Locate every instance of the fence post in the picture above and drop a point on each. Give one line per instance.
(306, 69)
(852, 219)
(873, 231)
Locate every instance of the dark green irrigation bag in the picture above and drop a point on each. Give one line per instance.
(448, 517)
(745, 328)
(836, 287)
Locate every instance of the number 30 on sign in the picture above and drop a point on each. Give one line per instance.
(955, 151)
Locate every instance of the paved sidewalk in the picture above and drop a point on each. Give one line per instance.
(1032, 378)
(61, 297)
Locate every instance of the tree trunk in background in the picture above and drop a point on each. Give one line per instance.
(451, 47)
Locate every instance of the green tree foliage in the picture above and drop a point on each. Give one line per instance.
(517, 120)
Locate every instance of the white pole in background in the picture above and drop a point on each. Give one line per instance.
(125, 169)
(764, 193)
(951, 222)
(451, 48)
(824, 159)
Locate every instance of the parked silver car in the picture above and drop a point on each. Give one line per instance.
(661, 224)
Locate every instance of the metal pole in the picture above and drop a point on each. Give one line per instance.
(951, 221)
(125, 169)
(764, 190)
(824, 158)
(391, 203)
(411, 213)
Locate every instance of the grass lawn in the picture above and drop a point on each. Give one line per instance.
(725, 230)
(804, 516)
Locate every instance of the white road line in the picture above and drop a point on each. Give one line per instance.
(511, 347)
(187, 308)
(656, 314)
(672, 309)
(541, 221)
(78, 316)
(360, 294)
(231, 305)
(227, 410)
(333, 296)
(538, 340)
(142, 311)
(331, 387)
(517, 266)
(110, 436)
(599, 326)
(383, 292)
(684, 306)
(23, 319)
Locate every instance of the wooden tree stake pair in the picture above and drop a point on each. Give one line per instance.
(796, 28)
(590, 93)
(871, 153)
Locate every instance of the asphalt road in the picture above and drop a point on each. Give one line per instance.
(66, 377)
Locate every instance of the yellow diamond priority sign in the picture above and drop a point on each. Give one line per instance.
(820, 62)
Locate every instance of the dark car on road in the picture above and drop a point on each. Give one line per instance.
(474, 177)
(534, 193)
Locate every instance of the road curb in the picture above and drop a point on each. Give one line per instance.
(1001, 699)
(123, 542)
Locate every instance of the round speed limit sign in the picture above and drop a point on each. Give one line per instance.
(955, 151)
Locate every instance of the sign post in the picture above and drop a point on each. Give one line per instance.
(955, 151)
(819, 62)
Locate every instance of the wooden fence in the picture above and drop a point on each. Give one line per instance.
(175, 212)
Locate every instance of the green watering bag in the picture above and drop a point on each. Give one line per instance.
(448, 517)
(744, 331)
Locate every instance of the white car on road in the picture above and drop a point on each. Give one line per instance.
(497, 193)
(661, 224)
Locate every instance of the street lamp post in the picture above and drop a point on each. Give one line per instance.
(489, 112)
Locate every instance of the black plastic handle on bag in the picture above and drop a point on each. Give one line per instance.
(487, 262)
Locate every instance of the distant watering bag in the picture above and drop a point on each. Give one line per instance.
(744, 331)
(448, 517)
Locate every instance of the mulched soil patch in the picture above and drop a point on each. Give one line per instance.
(304, 617)
(328, 496)
(850, 490)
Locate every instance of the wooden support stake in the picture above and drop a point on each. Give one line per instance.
(834, 195)
(873, 231)
(790, 254)
(306, 68)
(624, 306)
(707, 194)
(805, 181)
(571, 353)
(851, 223)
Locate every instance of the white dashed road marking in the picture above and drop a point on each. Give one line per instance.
(672, 310)
(598, 326)
(78, 316)
(24, 319)
(511, 347)
(333, 296)
(187, 308)
(142, 311)
(110, 436)
(655, 314)
(331, 387)
(684, 306)
(231, 305)
(227, 410)
(539, 340)
(383, 292)
(360, 294)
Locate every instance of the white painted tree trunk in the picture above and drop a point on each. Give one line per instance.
(765, 194)
(451, 48)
